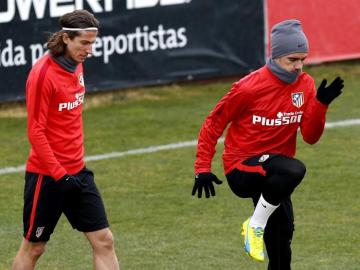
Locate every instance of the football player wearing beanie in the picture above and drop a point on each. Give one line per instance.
(264, 111)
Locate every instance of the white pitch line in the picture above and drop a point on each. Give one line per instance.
(153, 149)
(344, 123)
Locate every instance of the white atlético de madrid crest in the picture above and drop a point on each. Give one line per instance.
(39, 231)
(297, 99)
(81, 79)
(263, 158)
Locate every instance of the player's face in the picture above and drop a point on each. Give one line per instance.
(80, 46)
(292, 62)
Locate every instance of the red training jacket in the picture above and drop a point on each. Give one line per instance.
(264, 115)
(54, 99)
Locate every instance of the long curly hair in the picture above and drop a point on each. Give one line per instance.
(75, 19)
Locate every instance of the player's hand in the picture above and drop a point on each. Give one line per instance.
(69, 184)
(327, 94)
(204, 181)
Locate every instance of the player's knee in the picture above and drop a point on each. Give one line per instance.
(35, 251)
(109, 240)
(105, 241)
(296, 171)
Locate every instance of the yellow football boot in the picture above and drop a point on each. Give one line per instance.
(254, 241)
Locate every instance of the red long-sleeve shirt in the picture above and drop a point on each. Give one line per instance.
(264, 114)
(54, 99)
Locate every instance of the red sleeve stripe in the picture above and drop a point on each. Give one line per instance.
(39, 85)
(34, 206)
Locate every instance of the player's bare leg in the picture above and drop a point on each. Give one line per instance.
(104, 255)
(28, 255)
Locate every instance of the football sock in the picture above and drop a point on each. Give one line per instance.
(262, 212)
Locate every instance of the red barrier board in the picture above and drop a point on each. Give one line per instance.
(332, 26)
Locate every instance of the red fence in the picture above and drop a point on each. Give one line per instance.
(332, 26)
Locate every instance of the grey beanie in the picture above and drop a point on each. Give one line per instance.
(287, 37)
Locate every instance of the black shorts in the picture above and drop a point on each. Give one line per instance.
(44, 204)
(248, 184)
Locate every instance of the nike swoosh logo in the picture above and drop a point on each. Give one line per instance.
(263, 205)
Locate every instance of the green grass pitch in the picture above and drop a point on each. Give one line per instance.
(156, 223)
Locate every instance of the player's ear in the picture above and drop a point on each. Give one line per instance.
(65, 38)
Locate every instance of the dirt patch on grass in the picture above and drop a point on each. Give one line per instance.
(97, 99)
(13, 110)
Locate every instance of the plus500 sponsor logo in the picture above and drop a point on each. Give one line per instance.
(72, 105)
(59, 7)
(282, 119)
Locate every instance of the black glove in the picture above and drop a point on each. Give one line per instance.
(327, 94)
(204, 181)
(69, 184)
